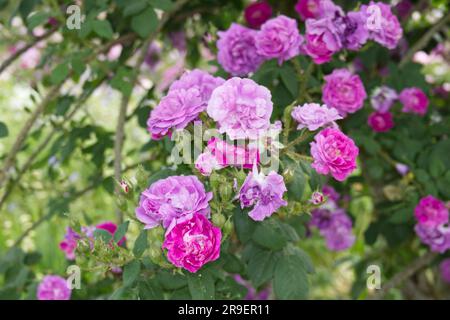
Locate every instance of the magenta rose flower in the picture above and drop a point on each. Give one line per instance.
(383, 98)
(313, 116)
(380, 121)
(437, 238)
(53, 288)
(257, 13)
(192, 241)
(264, 193)
(431, 212)
(172, 198)
(241, 107)
(414, 100)
(322, 40)
(316, 9)
(382, 24)
(343, 91)
(69, 244)
(279, 38)
(334, 153)
(237, 52)
(445, 270)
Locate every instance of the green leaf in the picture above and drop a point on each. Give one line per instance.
(3, 130)
(37, 19)
(59, 73)
(150, 291)
(244, 226)
(290, 279)
(268, 234)
(135, 7)
(103, 235)
(289, 78)
(131, 272)
(145, 23)
(201, 286)
(261, 266)
(164, 5)
(121, 231)
(140, 244)
(103, 28)
(171, 281)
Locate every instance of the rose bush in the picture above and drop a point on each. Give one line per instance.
(224, 149)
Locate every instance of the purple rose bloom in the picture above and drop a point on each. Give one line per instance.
(339, 238)
(317, 9)
(438, 238)
(331, 193)
(264, 193)
(352, 29)
(414, 100)
(320, 218)
(431, 212)
(172, 198)
(53, 288)
(380, 121)
(178, 40)
(237, 51)
(200, 80)
(153, 55)
(279, 38)
(322, 40)
(334, 153)
(343, 91)
(383, 26)
(257, 13)
(192, 241)
(383, 98)
(445, 270)
(313, 116)
(241, 107)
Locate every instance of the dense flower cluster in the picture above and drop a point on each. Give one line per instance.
(53, 288)
(314, 116)
(432, 216)
(334, 153)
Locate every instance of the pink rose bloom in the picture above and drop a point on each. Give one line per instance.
(343, 91)
(192, 241)
(313, 116)
(382, 24)
(279, 38)
(334, 153)
(445, 270)
(431, 212)
(206, 163)
(263, 193)
(331, 193)
(200, 80)
(437, 238)
(172, 198)
(231, 155)
(257, 13)
(69, 244)
(175, 111)
(30, 59)
(322, 40)
(353, 31)
(53, 288)
(241, 107)
(111, 228)
(380, 121)
(414, 100)
(383, 98)
(115, 52)
(237, 50)
(316, 9)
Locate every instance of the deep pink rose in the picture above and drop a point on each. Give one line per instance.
(257, 13)
(322, 40)
(316, 9)
(53, 288)
(431, 212)
(343, 91)
(414, 100)
(192, 241)
(334, 153)
(380, 121)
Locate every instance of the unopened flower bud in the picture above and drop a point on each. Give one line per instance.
(218, 220)
(317, 198)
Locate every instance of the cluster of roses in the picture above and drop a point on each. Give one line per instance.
(329, 29)
(432, 218)
(332, 221)
(382, 99)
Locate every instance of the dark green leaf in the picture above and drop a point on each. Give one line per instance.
(145, 23)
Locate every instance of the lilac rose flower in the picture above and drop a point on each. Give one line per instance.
(402, 168)
(322, 40)
(313, 116)
(343, 91)
(331, 193)
(237, 52)
(279, 38)
(383, 98)
(192, 241)
(352, 29)
(53, 288)
(438, 238)
(172, 198)
(382, 24)
(241, 107)
(264, 193)
(431, 212)
(334, 153)
(414, 100)
(206, 163)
